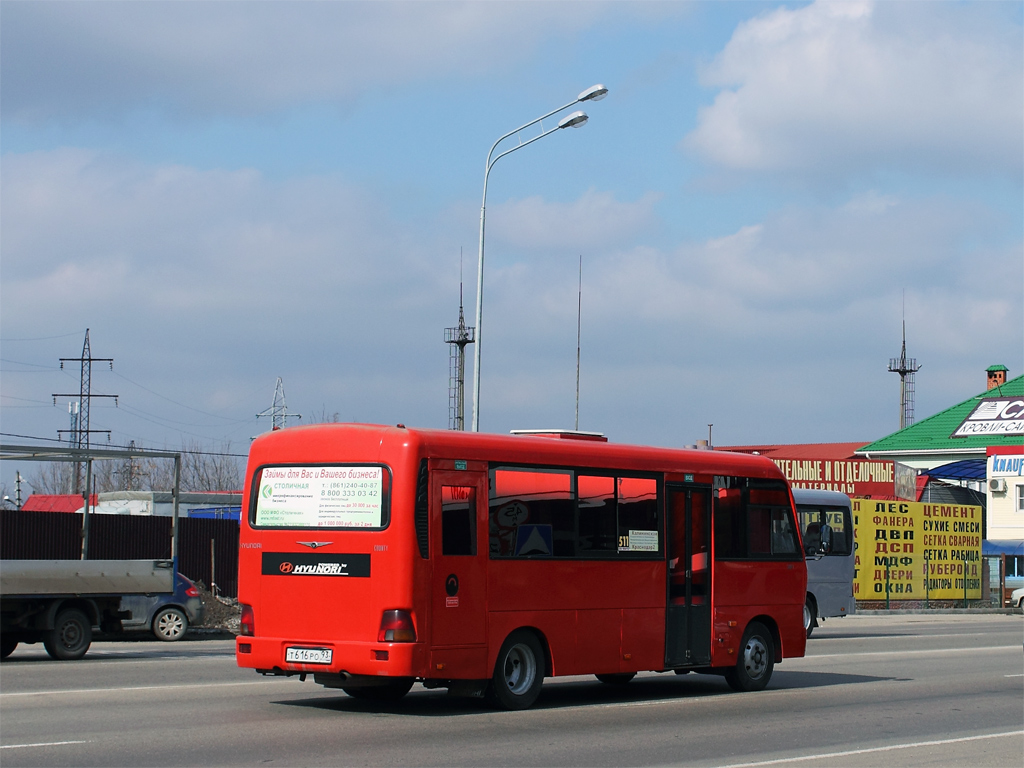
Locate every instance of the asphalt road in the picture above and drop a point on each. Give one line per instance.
(873, 691)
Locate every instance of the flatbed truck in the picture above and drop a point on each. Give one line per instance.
(59, 602)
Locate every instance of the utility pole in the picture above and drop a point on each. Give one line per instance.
(80, 432)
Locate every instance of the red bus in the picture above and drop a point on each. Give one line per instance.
(372, 557)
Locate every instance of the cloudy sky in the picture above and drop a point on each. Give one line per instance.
(226, 193)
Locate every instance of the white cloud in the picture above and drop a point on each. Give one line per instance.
(595, 220)
(858, 86)
(207, 285)
(65, 59)
(202, 281)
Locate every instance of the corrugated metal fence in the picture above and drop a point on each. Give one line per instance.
(204, 544)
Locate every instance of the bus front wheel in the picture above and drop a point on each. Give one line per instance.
(756, 660)
(810, 615)
(518, 672)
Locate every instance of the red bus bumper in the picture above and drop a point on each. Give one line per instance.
(355, 658)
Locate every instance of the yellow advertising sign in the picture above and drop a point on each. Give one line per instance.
(898, 542)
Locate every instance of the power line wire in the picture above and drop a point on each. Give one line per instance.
(44, 338)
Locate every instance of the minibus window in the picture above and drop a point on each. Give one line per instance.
(321, 496)
(458, 520)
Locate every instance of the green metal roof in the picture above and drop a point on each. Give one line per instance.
(994, 368)
(933, 433)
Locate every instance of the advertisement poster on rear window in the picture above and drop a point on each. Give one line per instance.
(915, 551)
(321, 497)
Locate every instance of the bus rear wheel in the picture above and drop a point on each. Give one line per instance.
(756, 660)
(393, 690)
(518, 672)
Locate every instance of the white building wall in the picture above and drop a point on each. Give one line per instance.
(1006, 505)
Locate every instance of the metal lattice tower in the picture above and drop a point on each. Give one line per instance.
(130, 470)
(80, 431)
(278, 412)
(906, 368)
(458, 337)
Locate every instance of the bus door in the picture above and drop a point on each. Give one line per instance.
(458, 550)
(688, 614)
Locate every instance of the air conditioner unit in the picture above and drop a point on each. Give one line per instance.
(997, 485)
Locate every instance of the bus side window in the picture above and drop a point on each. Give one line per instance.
(841, 538)
(753, 520)
(458, 520)
(638, 514)
(729, 534)
(532, 512)
(597, 526)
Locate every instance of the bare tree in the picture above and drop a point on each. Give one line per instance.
(52, 477)
(323, 417)
(201, 470)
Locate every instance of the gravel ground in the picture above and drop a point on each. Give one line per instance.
(222, 613)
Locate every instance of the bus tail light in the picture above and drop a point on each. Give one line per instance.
(247, 623)
(396, 627)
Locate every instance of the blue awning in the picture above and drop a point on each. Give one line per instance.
(1003, 547)
(969, 469)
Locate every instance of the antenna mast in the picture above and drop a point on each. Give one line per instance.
(579, 316)
(906, 368)
(458, 337)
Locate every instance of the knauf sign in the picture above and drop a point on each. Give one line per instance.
(994, 416)
(1006, 466)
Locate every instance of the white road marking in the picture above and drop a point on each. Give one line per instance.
(129, 689)
(847, 753)
(41, 744)
(908, 653)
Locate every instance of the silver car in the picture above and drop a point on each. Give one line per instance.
(168, 616)
(1017, 598)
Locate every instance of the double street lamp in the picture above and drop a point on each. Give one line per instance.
(572, 120)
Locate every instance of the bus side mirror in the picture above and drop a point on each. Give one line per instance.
(826, 539)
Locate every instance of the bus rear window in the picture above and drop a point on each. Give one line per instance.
(322, 496)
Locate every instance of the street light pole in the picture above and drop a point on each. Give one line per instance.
(574, 120)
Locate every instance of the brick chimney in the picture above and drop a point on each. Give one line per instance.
(996, 375)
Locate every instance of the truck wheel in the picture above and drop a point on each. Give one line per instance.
(392, 691)
(756, 660)
(7, 646)
(169, 624)
(518, 672)
(70, 637)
